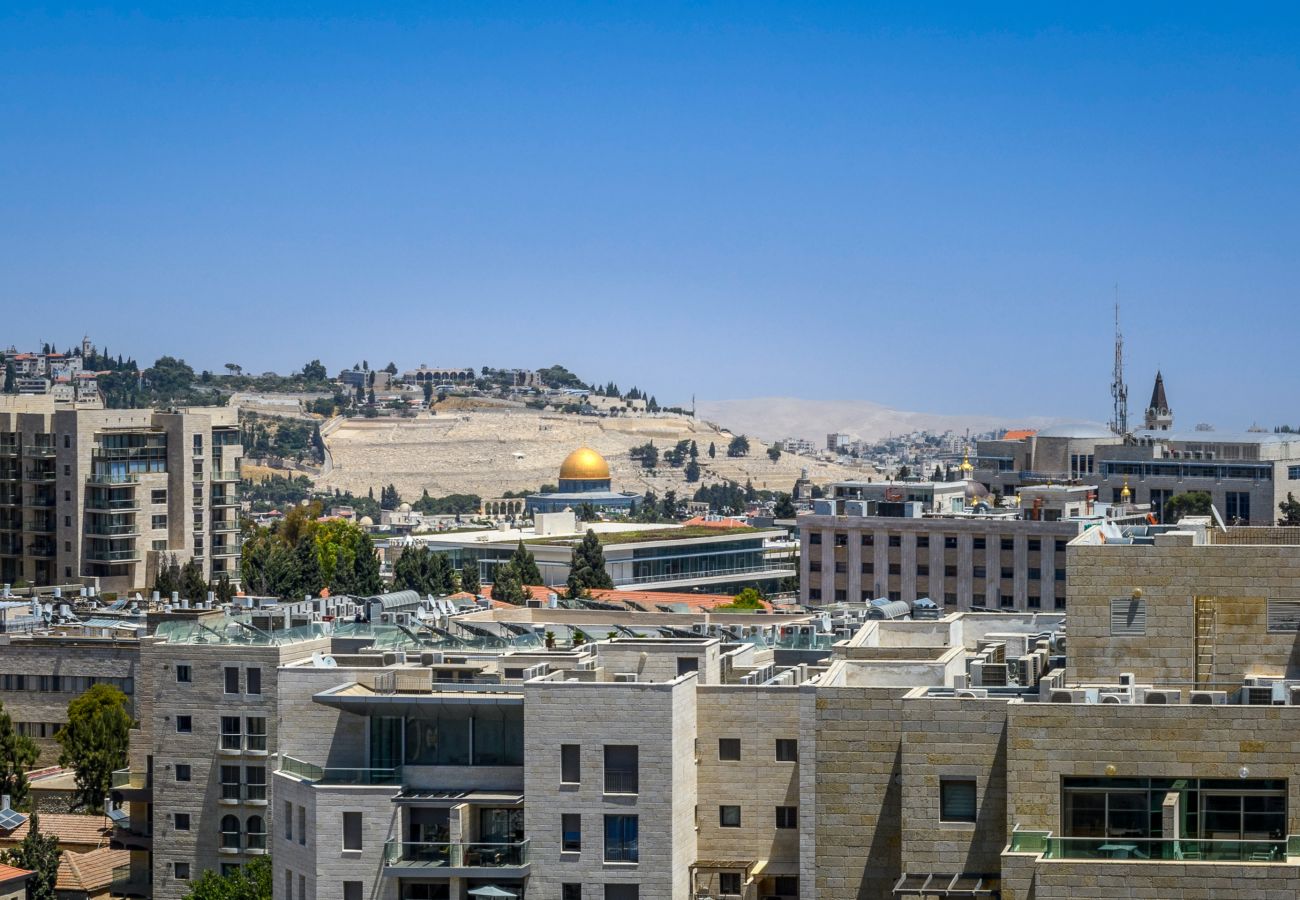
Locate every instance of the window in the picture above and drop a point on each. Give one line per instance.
(1008, 544)
(621, 775)
(728, 816)
(729, 883)
(182, 822)
(868, 568)
(302, 886)
(254, 678)
(288, 821)
(841, 567)
(230, 782)
(922, 570)
(1059, 603)
(922, 541)
(184, 725)
(977, 600)
(815, 538)
(979, 543)
(950, 542)
(841, 539)
(1128, 616)
(957, 800)
(158, 522)
(158, 496)
(1035, 545)
(255, 738)
(232, 737)
(686, 664)
(868, 540)
(621, 839)
(949, 571)
(181, 870)
(229, 833)
(895, 568)
(255, 833)
(787, 817)
(232, 679)
(255, 783)
(1060, 574)
(182, 772)
(184, 675)
(1293, 472)
(570, 764)
(814, 593)
(1035, 574)
(352, 831)
(571, 832)
(814, 565)
(67, 441)
(729, 748)
(622, 892)
(1237, 506)
(980, 572)
(1035, 601)
(302, 825)
(1060, 546)
(571, 891)
(351, 890)
(288, 885)
(787, 750)
(895, 540)
(1008, 572)
(1006, 601)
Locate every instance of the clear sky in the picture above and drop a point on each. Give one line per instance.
(925, 209)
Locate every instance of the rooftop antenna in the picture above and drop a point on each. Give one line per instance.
(1119, 390)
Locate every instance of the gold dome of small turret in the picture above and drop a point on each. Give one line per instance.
(584, 464)
(966, 463)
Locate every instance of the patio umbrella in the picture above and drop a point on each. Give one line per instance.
(491, 890)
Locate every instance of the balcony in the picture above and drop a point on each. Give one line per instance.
(42, 549)
(130, 785)
(227, 476)
(34, 452)
(8, 449)
(109, 478)
(406, 859)
(127, 883)
(235, 744)
(131, 530)
(220, 526)
(1152, 849)
(112, 556)
(224, 500)
(40, 526)
(41, 475)
(115, 504)
(305, 771)
(40, 500)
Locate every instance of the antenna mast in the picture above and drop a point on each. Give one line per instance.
(1119, 390)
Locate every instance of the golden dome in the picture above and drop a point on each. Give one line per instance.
(584, 464)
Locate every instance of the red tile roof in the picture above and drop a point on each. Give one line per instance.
(85, 832)
(715, 523)
(90, 872)
(1019, 434)
(11, 874)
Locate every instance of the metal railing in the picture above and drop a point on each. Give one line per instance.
(230, 475)
(1151, 849)
(433, 855)
(306, 771)
(618, 781)
(111, 478)
(112, 555)
(714, 573)
(126, 779)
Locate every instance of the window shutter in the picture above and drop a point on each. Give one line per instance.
(1128, 616)
(1284, 616)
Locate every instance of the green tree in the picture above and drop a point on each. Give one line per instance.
(11, 377)
(1290, 509)
(223, 588)
(749, 598)
(784, 508)
(389, 498)
(39, 853)
(192, 584)
(252, 881)
(739, 446)
(94, 742)
(904, 472)
(774, 453)
(428, 392)
(506, 585)
(587, 567)
(306, 565)
(713, 450)
(1191, 503)
(168, 579)
(692, 471)
(314, 371)
(469, 577)
(18, 753)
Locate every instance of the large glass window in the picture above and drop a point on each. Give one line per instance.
(1211, 809)
(621, 839)
(453, 736)
(621, 769)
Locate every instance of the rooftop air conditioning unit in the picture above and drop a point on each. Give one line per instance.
(1208, 698)
(1171, 698)
(1076, 695)
(1113, 697)
(1293, 694)
(625, 677)
(972, 695)
(985, 674)
(1264, 695)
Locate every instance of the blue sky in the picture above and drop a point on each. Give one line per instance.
(925, 209)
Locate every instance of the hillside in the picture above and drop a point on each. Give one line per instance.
(774, 418)
(488, 452)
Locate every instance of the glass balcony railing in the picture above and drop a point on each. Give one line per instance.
(228, 475)
(40, 526)
(41, 475)
(112, 556)
(125, 779)
(39, 452)
(305, 771)
(1149, 849)
(113, 530)
(115, 504)
(410, 855)
(112, 478)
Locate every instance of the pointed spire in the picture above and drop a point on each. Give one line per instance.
(1158, 400)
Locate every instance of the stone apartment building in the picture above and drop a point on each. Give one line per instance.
(98, 497)
(908, 540)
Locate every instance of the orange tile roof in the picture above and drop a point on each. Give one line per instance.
(10, 874)
(715, 523)
(1019, 434)
(90, 872)
(72, 830)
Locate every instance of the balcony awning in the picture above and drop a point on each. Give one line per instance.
(490, 890)
(363, 701)
(452, 798)
(946, 884)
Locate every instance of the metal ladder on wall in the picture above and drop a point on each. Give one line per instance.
(1204, 641)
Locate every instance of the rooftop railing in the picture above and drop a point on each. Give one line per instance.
(1153, 849)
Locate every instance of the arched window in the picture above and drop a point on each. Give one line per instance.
(256, 833)
(229, 833)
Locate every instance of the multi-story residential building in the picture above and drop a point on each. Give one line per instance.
(908, 540)
(99, 497)
(1246, 475)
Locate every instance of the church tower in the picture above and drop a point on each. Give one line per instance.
(1159, 417)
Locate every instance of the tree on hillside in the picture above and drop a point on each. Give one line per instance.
(739, 446)
(713, 450)
(774, 453)
(39, 852)
(389, 498)
(18, 753)
(692, 472)
(251, 881)
(1191, 503)
(94, 742)
(587, 567)
(314, 371)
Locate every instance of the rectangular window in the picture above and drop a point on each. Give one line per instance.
(158, 522)
(621, 839)
(1035, 574)
(1237, 507)
(895, 540)
(181, 870)
(1008, 544)
(255, 783)
(255, 734)
(868, 568)
(1283, 616)
(814, 565)
(158, 496)
(352, 831)
(895, 568)
(979, 543)
(621, 769)
(1059, 603)
(922, 570)
(254, 678)
(980, 572)
(1007, 572)
(288, 885)
(302, 825)
(288, 821)
(922, 541)
(232, 679)
(814, 593)
(352, 890)
(868, 540)
(570, 832)
(729, 748)
(184, 675)
(950, 542)
(729, 884)
(622, 892)
(184, 725)
(1128, 616)
(232, 738)
(787, 817)
(687, 664)
(1060, 574)
(182, 821)
(1035, 545)
(949, 571)
(570, 764)
(1035, 602)
(815, 538)
(728, 816)
(571, 891)
(302, 886)
(957, 800)
(182, 772)
(230, 783)
(787, 750)
(841, 539)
